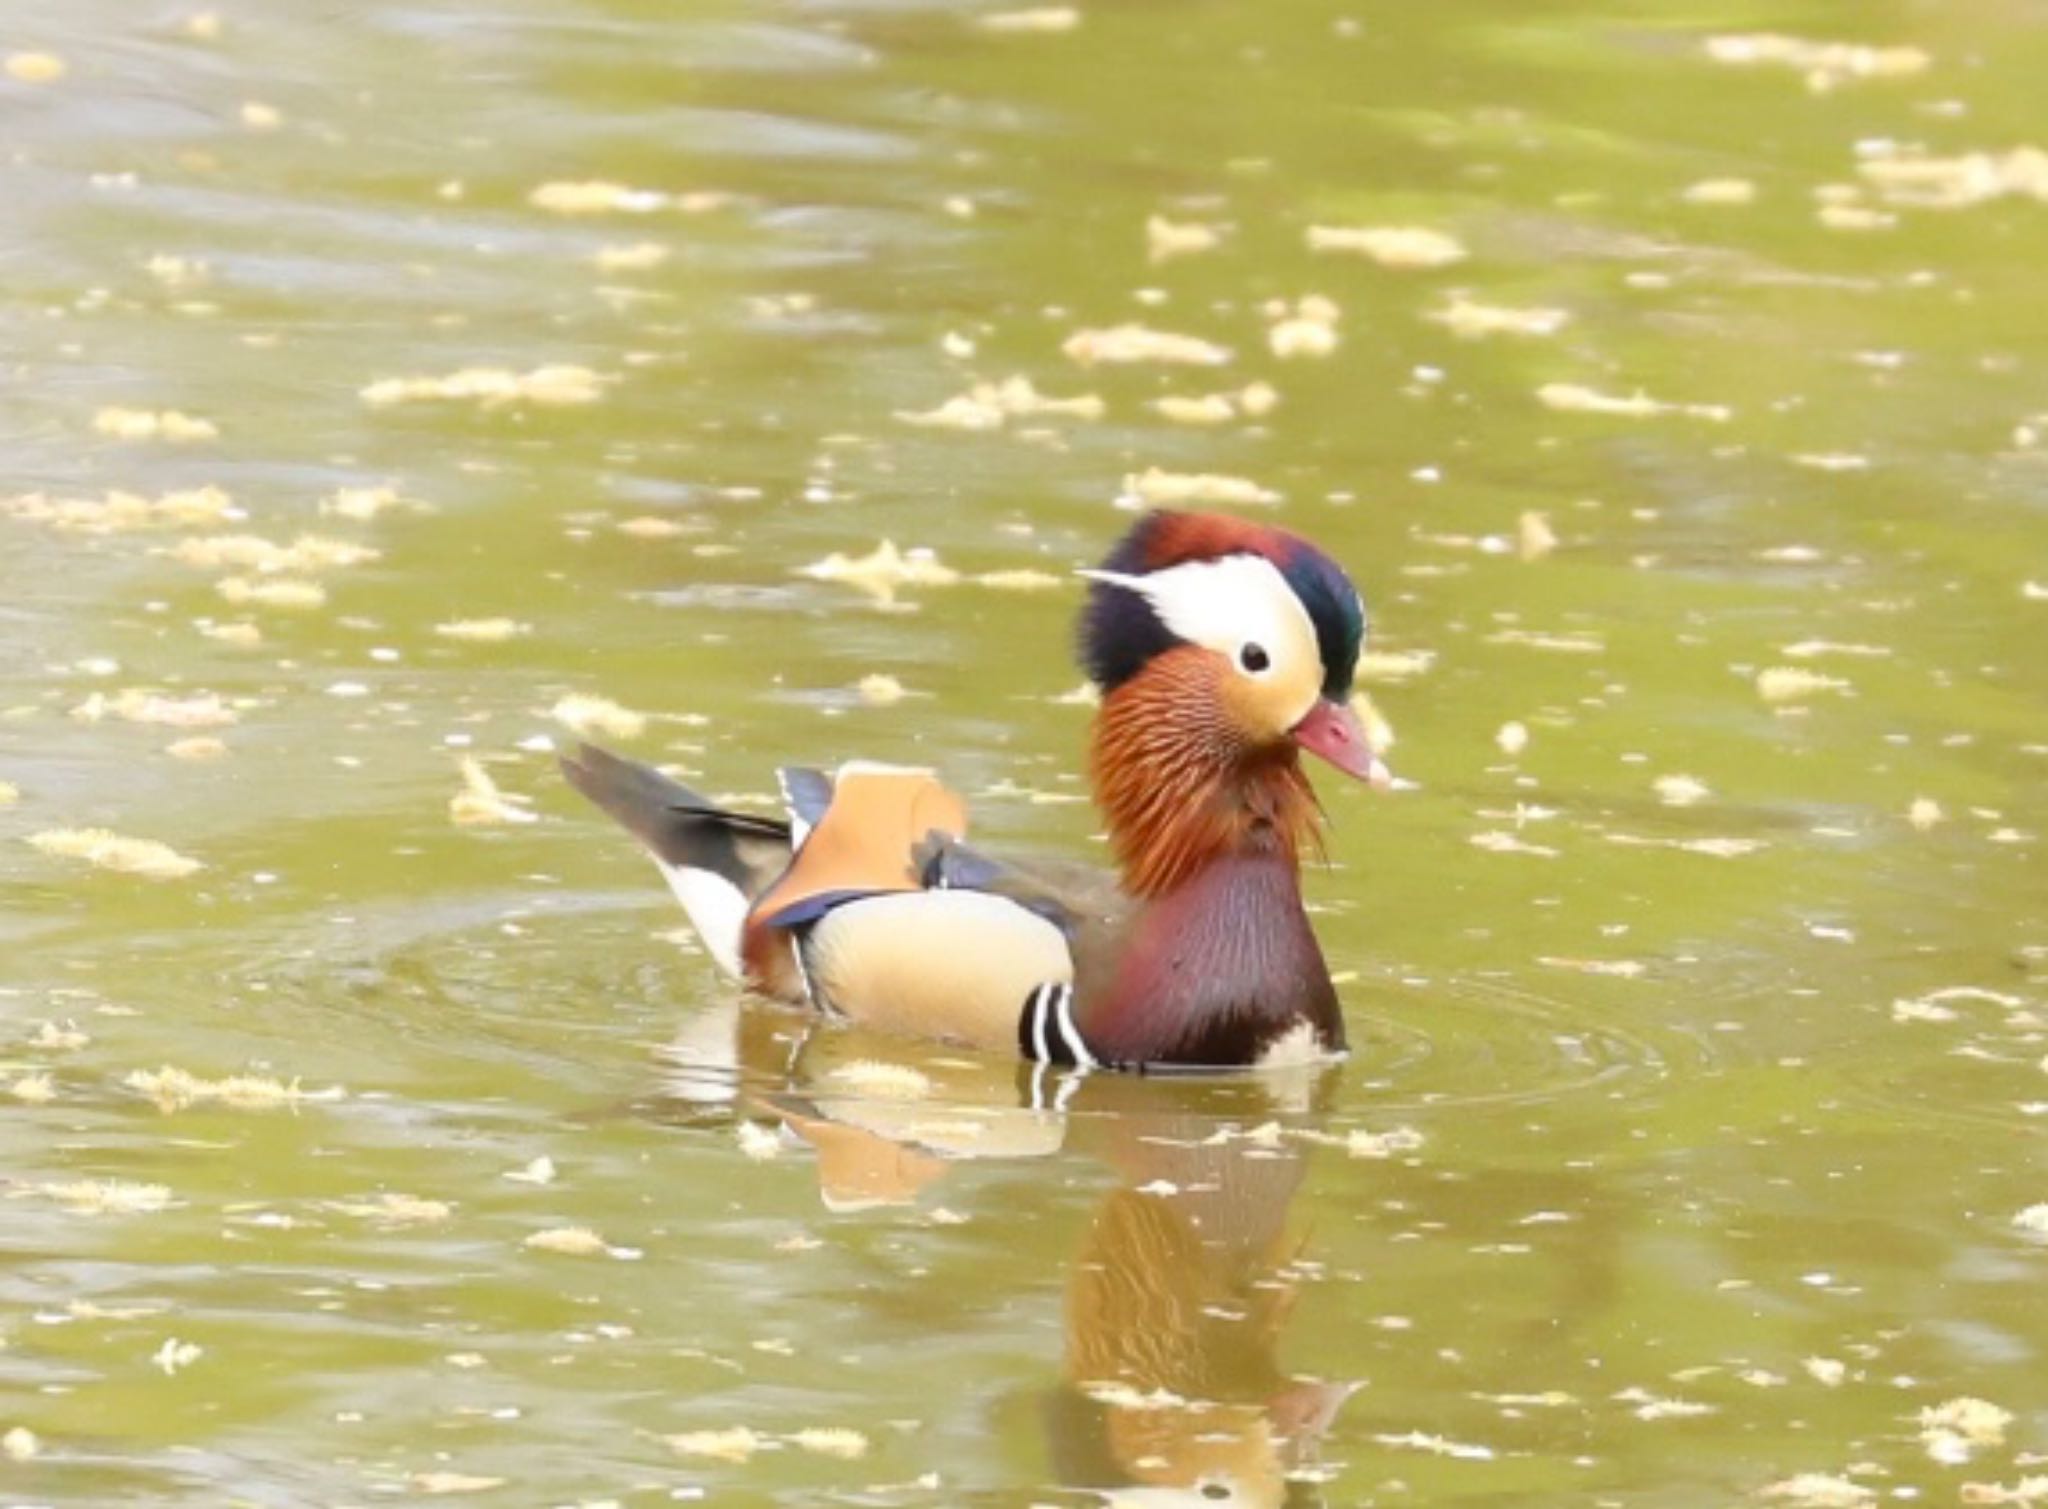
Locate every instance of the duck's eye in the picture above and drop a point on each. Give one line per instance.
(1253, 658)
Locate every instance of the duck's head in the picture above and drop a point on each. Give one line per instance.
(1244, 630)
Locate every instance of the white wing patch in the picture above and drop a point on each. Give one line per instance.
(717, 911)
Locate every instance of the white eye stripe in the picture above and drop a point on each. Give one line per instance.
(1225, 604)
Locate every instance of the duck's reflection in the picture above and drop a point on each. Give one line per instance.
(1175, 1305)
(1172, 1390)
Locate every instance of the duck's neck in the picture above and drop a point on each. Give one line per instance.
(1181, 789)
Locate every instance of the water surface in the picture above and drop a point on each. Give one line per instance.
(1696, 980)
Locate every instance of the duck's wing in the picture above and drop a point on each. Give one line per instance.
(806, 793)
(1079, 899)
(715, 861)
(859, 829)
(861, 929)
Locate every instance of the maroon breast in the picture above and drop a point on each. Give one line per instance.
(1213, 972)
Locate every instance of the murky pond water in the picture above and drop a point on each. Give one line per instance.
(382, 379)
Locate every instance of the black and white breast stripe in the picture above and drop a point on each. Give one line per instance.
(1046, 1032)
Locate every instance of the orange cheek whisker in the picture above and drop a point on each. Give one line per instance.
(1181, 783)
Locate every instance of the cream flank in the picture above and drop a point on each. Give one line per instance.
(884, 953)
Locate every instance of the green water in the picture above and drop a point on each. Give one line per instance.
(1642, 1187)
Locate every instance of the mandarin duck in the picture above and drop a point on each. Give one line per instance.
(1222, 649)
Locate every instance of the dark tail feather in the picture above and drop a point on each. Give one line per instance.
(676, 825)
